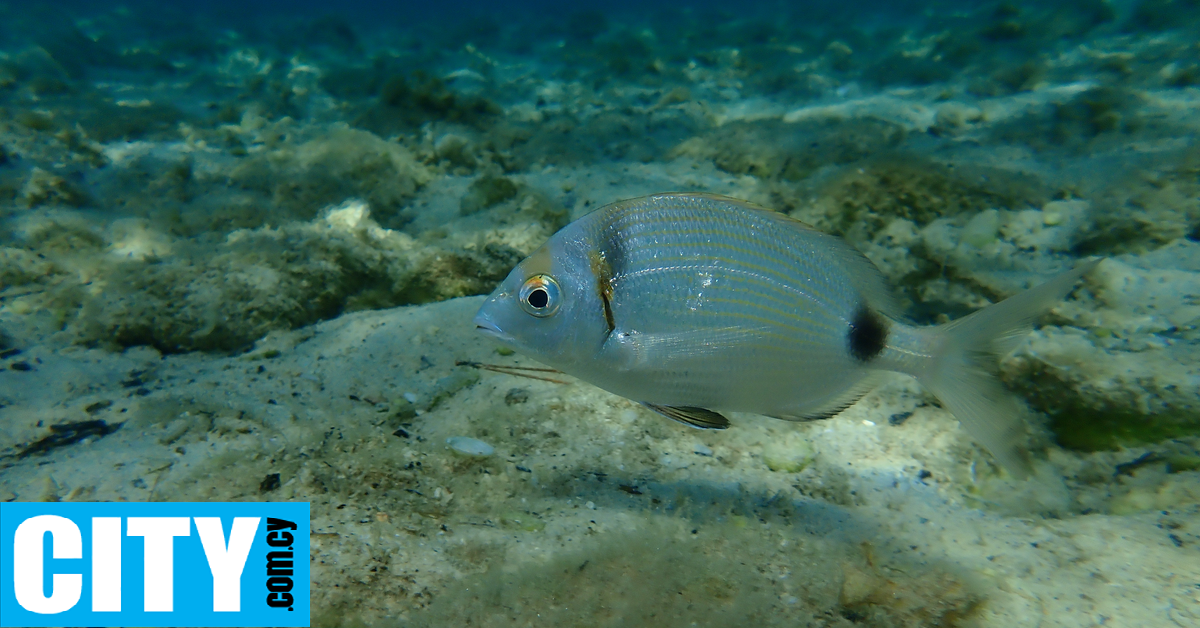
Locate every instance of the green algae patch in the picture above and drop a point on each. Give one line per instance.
(106, 121)
(522, 521)
(19, 267)
(298, 178)
(405, 102)
(452, 274)
(1183, 463)
(1086, 120)
(487, 191)
(1144, 210)
(144, 287)
(225, 297)
(771, 149)
(862, 199)
(1089, 420)
(44, 188)
(1077, 426)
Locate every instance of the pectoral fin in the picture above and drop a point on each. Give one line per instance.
(699, 418)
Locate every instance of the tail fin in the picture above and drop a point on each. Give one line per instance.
(962, 379)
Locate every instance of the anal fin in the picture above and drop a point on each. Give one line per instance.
(833, 405)
(699, 418)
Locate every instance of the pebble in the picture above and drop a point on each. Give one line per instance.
(470, 446)
(981, 229)
(789, 458)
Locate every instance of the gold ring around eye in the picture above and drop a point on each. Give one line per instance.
(540, 296)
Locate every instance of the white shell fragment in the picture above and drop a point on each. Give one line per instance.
(470, 446)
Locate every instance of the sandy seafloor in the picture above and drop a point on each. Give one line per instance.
(239, 262)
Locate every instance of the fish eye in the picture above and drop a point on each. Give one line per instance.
(540, 296)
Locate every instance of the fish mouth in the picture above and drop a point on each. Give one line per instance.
(485, 326)
(489, 330)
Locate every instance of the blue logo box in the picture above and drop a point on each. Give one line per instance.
(154, 564)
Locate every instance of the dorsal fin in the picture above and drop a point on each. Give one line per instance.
(699, 418)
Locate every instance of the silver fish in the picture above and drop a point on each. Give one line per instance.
(696, 304)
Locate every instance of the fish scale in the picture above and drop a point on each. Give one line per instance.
(773, 291)
(719, 245)
(696, 304)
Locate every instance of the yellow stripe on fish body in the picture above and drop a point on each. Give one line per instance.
(695, 304)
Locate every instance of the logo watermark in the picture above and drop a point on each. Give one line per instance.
(156, 564)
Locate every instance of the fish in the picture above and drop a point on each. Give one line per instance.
(698, 305)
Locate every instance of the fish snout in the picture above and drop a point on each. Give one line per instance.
(485, 325)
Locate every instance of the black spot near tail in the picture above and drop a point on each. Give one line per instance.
(868, 334)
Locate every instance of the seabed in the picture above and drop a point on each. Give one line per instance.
(239, 261)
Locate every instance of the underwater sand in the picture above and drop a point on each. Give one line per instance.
(239, 262)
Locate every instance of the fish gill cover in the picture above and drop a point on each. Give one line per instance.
(207, 210)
